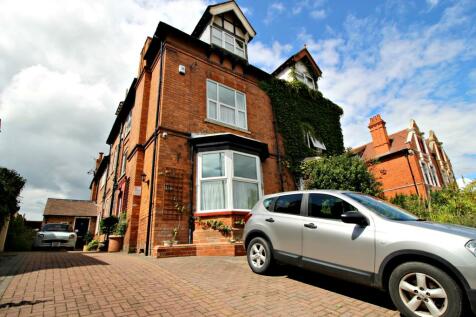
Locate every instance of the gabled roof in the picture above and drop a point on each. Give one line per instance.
(70, 207)
(302, 54)
(122, 112)
(220, 8)
(398, 142)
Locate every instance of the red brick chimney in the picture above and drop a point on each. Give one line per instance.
(99, 159)
(380, 139)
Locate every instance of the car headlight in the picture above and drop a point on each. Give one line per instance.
(72, 236)
(41, 236)
(471, 246)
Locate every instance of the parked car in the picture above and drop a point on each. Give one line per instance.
(55, 235)
(429, 269)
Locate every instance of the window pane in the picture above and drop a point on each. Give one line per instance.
(227, 95)
(229, 39)
(289, 204)
(240, 101)
(212, 110)
(267, 203)
(240, 52)
(241, 120)
(239, 44)
(211, 90)
(245, 195)
(227, 115)
(213, 195)
(213, 165)
(244, 166)
(217, 41)
(216, 32)
(326, 206)
(229, 47)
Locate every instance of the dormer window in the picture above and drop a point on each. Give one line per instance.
(305, 79)
(227, 41)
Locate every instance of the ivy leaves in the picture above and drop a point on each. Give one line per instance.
(296, 106)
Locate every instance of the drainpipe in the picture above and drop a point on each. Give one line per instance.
(154, 154)
(114, 183)
(275, 128)
(191, 219)
(411, 172)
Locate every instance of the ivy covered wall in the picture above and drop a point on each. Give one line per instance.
(299, 109)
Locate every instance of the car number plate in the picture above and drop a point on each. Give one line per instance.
(55, 244)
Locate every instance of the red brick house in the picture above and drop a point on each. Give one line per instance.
(194, 139)
(405, 162)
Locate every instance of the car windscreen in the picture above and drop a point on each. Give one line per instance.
(56, 227)
(382, 208)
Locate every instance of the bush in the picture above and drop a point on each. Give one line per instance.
(449, 205)
(93, 245)
(108, 225)
(121, 226)
(19, 236)
(88, 237)
(341, 172)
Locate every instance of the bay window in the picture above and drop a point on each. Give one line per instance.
(228, 180)
(226, 105)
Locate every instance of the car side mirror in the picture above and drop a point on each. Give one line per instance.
(354, 217)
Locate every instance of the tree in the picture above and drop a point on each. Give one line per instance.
(11, 184)
(341, 172)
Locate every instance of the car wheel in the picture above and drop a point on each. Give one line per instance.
(420, 289)
(259, 255)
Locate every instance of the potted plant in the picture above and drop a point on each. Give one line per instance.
(175, 231)
(116, 239)
(92, 246)
(88, 237)
(106, 227)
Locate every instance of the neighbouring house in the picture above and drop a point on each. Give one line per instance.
(81, 215)
(194, 143)
(405, 162)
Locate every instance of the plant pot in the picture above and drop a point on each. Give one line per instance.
(167, 243)
(115, 243)
(174, 242)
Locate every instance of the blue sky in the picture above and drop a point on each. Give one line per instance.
(64, 67)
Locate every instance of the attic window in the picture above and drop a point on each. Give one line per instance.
(306, 79)
(228, 41)
(314, 143)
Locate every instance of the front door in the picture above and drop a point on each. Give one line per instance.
(333, 246)
(82, 226)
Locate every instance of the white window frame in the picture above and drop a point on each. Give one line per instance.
(229, 177)
(123, 163)
(223, 40)
(305, 79)
(220, 104)
(128, 123)
(102, 180)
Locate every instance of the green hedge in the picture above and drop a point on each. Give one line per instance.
(449, 205)
(298, 108)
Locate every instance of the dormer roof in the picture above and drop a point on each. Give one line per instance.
(302, 55)
(220, 8)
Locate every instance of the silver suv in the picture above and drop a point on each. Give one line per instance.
(429, 269)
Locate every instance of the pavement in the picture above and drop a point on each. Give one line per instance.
(102, 284)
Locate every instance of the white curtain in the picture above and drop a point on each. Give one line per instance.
(213, 195)
(245, 195)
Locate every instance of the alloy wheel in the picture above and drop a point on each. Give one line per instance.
(258, 255)
(423, 295)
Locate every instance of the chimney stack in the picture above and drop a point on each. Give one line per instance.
(99, 159)
(380, 140)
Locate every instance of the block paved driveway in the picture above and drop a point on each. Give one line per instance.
(101, 284)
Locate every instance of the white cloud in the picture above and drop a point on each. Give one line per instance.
(64, 69)
(268, 57)
(275, 9)
(318, 14)
(432, 3)
(463, 181)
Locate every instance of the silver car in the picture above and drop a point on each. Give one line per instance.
(55, 235)
(429, 269)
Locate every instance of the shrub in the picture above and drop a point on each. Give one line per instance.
(93, 245)
(121, 226)
(19, 236)
(108, 225)
(341, 172)
(449, 205)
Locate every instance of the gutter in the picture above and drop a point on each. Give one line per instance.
(152, 176)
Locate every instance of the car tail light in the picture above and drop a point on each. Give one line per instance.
(247, 217)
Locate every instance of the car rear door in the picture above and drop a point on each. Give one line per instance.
(285, 224)
(332, 246)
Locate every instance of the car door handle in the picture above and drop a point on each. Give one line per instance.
(269, 220)
(310, 225)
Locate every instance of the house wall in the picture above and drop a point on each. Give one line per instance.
(69, 220)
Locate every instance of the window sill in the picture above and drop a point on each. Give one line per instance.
(226, 125)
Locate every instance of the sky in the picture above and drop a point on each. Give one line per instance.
(64, 67)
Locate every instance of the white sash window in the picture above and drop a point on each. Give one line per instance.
(226, 105)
